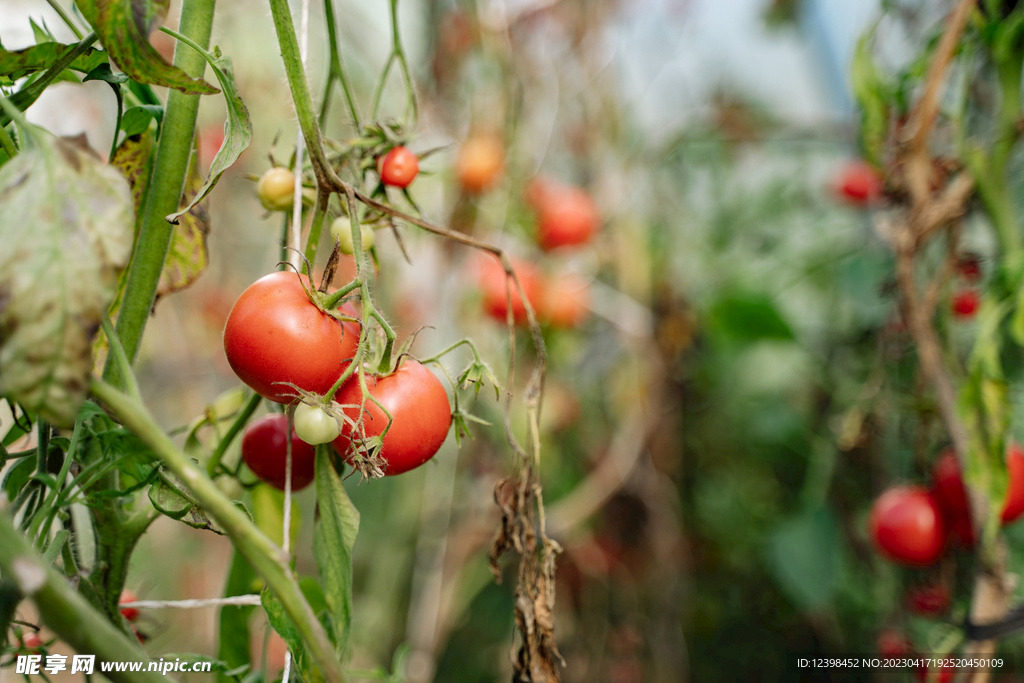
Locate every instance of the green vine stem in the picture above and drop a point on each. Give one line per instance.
(270, 561)
(64, 610)
(173, 154)
(248, 409)
(337, 70)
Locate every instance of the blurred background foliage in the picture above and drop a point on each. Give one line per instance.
(714, 432)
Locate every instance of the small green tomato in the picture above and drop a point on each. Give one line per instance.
(314, 426)
(341, 229)
(276, 189)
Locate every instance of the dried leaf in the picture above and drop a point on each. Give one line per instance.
(188, 256)
(66, 225)
(18, 63)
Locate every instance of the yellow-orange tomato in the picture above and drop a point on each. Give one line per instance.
(480, 163)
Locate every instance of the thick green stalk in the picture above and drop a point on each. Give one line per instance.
(65, 611)
(167, 183)
(272, 563)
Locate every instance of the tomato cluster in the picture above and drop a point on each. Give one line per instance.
(913, 525)
(562, 300)
(281, 341)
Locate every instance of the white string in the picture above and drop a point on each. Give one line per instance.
(296, 242)
(236, 600)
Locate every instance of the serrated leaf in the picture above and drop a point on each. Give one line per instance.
(187, 257)
(237, 129)
(333, 538)
(123, 27)
(66, 225)
(18, 63)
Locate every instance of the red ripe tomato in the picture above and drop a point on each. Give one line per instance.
(399, 167)
(265, 452)
(893, 644)
(944, 675)
(491, 278)
(274, 334)
(419, 407)
(952, 496)
(965, 304)
(929, 601)
(859, 183)
(906, 524)
(479, 163)
(566, 301)
(566, 216)
(129, 613)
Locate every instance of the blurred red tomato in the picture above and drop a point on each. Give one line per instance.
(949, 490)
(859, 183)
(907, 525)
(892, 643)
(480, 163)
(566, 300)
(965, 304)
(929, 601)
(490, 277)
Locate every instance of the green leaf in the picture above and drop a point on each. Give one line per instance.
(134, 122)
(749, 317)
(234, 620)
(104, 73)
(66, 225)
(804, 556)
(123, 27)
(268, 513)
(16, 478)
(333, 538)
(282, 623)
(18, 63)
(168, 500)
(169, 495)
(237, 129)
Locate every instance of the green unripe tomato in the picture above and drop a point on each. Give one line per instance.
(276, 189)
(341, 229)
(314, 426)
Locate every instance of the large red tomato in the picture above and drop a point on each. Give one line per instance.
(419, 408)
(566, 215)
(274, 334)
(491, 277)
(265, 452)
(907, 525)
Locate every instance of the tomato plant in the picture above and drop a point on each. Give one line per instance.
(399, 167)
(341, 230)
(276, 339)
(906, 524)
(420, 417)
(265, 452)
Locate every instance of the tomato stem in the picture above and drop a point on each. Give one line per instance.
(174, 152)
(243, 417)
(331, 301)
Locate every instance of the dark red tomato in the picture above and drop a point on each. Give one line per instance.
(129, 613)
(948, 488)
(274, 334)
(906, 524)
(952, 497)
(399, 167)
(859, 183)
(566, 301)
(969, 267)
(419, 407)
(929, 601)
(491, 278)
(265, 452)
(566, 216)
(965, 304)
(944, 675)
